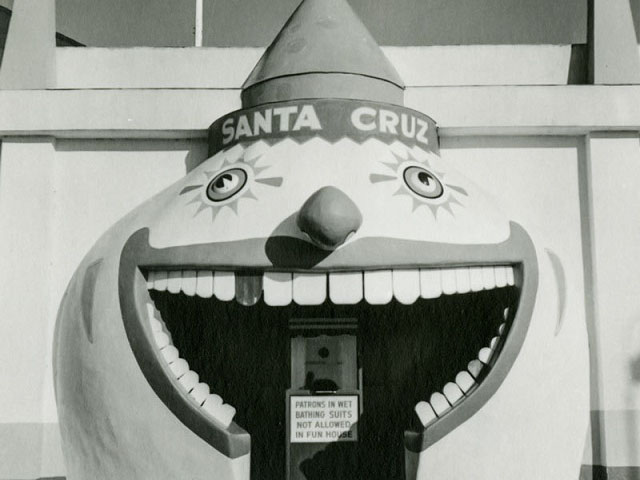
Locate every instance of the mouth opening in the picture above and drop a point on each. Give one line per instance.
(428, 339)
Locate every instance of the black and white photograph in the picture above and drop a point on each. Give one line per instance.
(319, 240)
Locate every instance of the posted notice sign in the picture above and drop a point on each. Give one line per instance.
(324, 419)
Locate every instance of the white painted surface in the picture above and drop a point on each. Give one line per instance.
(55, 204)
(615, 222)
(484, 110)
(615, 59)
(198, 23)
(29, 58)
(212, 67)
(27, 191)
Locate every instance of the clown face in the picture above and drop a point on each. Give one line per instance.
(180, 337)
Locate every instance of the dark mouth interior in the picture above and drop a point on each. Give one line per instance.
(406, 352)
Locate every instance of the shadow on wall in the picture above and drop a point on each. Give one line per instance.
(632, 415)
(635, 12)
(578, 66)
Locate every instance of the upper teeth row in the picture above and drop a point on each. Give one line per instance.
(376, 287)
(189, 380)
(453, 392)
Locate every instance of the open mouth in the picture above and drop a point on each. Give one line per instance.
(434, 343)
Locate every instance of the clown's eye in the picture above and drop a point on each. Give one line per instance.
(226, 184)
(422, 182)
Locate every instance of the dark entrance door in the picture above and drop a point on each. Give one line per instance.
(324, 400)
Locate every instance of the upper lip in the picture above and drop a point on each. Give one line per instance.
(293, 254)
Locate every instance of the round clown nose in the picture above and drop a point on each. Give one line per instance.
(329, 216)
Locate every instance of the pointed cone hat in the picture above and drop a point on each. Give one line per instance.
(323, 51)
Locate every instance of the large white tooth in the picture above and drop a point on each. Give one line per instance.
(150, 279)
(179, 367)
(156, 325)
(463, 282)
(511, 280)
(160, 281)
(345, 288)
(278, 289)
(406, 285)
(204, 283)
(378, 287)
(200, 392)
(175, 281)
(189, 380)
(170, 353)
(475, 367)
(475, 276)
(248, 288)
(505, 313)
(220, 412)
(151, 310)
(430, 283)
(309, 288)
(488, 278)
(212, 400)
(425, 413)
(452, 392)
(439, 404)
(501, 276)
(161, 338)
(484, 355)
(448, 277)
(465, 381)
(224, 285)
(494, 343)
(224, 414)
(189, 282)
(501, 328)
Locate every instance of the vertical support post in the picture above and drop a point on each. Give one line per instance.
(199, 23)
(613, 48)
(613, 173)
(27, 193)
(29, 60)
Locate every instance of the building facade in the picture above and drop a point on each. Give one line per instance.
(551, 131)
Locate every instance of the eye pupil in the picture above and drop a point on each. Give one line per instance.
(224, 178)
(425, 178)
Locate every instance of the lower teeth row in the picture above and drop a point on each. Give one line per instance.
(199, 392)
(465, 381)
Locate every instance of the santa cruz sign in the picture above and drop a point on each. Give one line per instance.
(330, 119)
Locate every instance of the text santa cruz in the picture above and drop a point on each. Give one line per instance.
(330, 119)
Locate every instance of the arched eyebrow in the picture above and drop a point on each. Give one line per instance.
(378, 177)
(189, 188)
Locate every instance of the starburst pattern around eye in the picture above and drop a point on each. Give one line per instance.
(445, 194)
(222, 179)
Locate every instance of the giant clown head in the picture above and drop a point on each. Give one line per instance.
(324, 200)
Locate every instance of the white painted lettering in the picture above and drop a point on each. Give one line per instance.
(284, 113)
(408, 130)
(262, 121)
(424, 127)
(357, 121)
(243, 128)
(227, 131)
(307, 119)
(388, 122)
